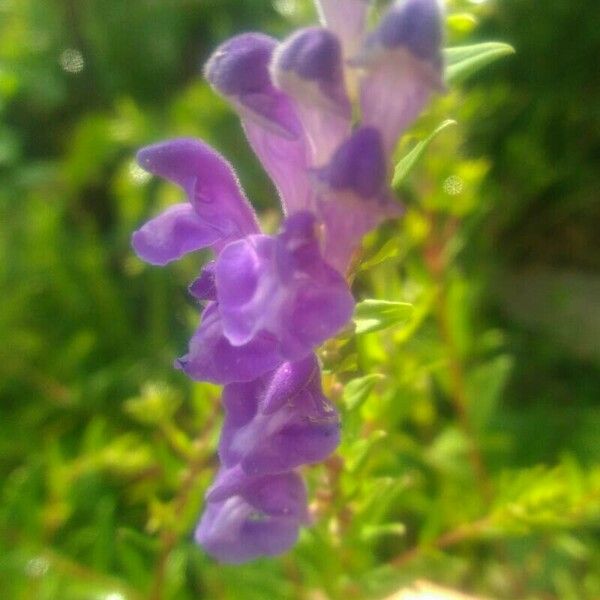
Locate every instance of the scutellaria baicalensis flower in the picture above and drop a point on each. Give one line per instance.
(323, 111)
(279, 422)
(246, 517)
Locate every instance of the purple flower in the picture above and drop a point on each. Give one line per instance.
(249, 517)
(272, 425)
(212, 357)
(217, 210)
(308, 67)
(281, 285)
(395, 69)
(271, 300)
(402, 63)
(354, 193)
(239, 71)
(279, 422)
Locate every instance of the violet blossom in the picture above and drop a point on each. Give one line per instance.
(272, 300)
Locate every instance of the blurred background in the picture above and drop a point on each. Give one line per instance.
(472, 428)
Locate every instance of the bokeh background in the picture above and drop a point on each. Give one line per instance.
(472, 426)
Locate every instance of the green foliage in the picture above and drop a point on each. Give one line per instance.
(465, 61)
(405, 165)
(470, 448)
(374, 315)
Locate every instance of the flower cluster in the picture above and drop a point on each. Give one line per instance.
(271, 300)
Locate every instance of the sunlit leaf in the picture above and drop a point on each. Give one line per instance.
(464, 61)
(406, 164)
(358, 390)
(373, 315)
(371, 532)
(461, 22)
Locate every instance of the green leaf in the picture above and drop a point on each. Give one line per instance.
(464, 61)
(461, 22)
(380, 495)
(485, 385)
(360, 451)
(373, 315)
(543, 498)
(373, 532)
(133, 537)
(157, 403)
(389, 250)
(406, 164)
(355, 394)
(358, 390)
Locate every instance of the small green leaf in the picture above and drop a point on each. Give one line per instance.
(360, 451)
(373, 315)
(358, 390)
(406, 164)
(389, 250)
(156, 403)
(372, 532)
(355, 394)
(461, 22)
(485, 385)
(141, 541)
(464, 61)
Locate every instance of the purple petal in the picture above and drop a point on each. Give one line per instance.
(290, 379)
(233, 532)
(171, 235)
(241, 405)
(241, 274)
(291, 440)
(262, 520)
(303, 430)
(347, 19)
(282, 494)
(354, 195)
(415, 25)
(403, 63)
(203, 287)
(358, 166)
(318, 313)
(209, 182)
(287, 163)
(239, 71)
(229, 482)
(211, 357)
(308, 67)
(283, 286)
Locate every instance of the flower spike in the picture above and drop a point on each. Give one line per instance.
(271, 300)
